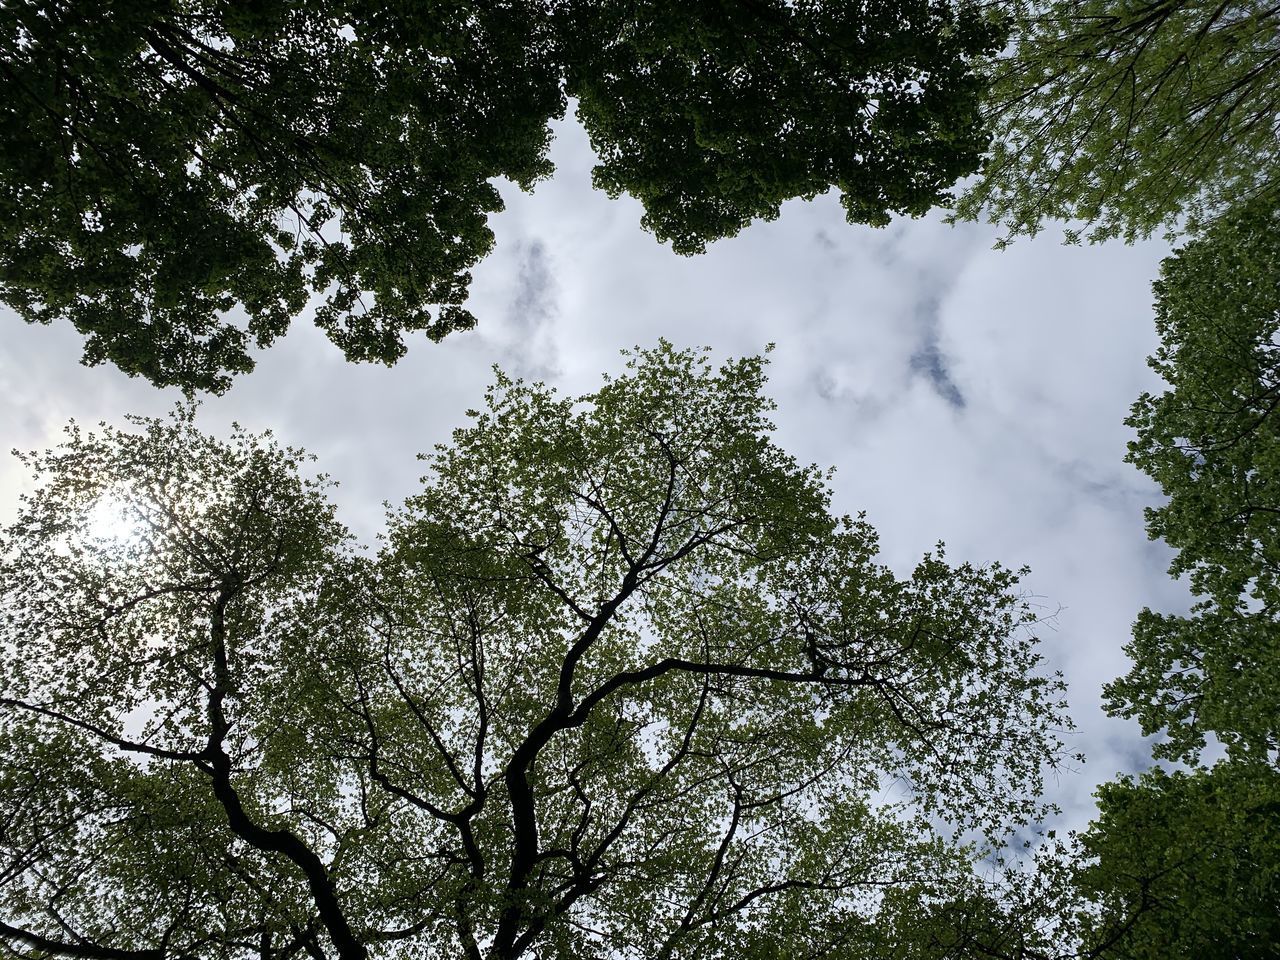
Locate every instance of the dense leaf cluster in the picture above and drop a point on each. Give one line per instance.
(1212, 442)
(1186, 865)
(177, 180)
(713, 114)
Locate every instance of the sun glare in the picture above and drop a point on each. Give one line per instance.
(111, 519)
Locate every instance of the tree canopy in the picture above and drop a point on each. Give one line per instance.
(1212, 442)
(1187, 864)
(180, 180)
(1130, 116)
(177, 179)
(713, 114)
(616, 683)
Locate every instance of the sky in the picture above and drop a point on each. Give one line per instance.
(963, 394)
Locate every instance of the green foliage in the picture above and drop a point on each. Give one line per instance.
(1212, 442)
(714, 114)
(180, 180)
(1186, 865)
(616, 683)
(169, 172)
(969, 924)
(1130, 116)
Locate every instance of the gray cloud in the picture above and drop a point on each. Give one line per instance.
(823, 240)
(531, 352)
(929, 362)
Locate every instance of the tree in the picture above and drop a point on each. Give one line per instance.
(616, 683)
(179, 180)
(1187, 864)
(176, 179)
(1212, 442)
(713, 114)
(1130, 116)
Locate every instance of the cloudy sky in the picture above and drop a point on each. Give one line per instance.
(963, 394)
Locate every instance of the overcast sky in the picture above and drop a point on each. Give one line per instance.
(963, 394)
